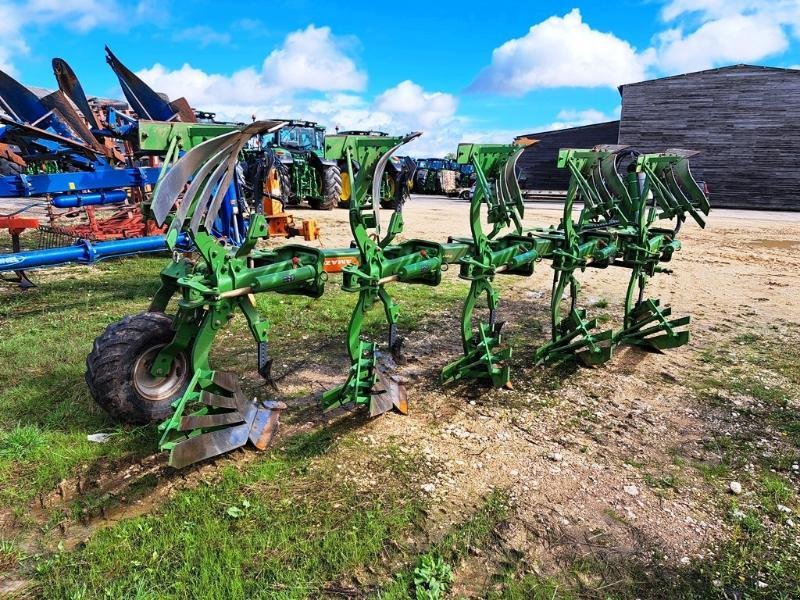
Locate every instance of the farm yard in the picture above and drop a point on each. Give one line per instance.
(668, 475)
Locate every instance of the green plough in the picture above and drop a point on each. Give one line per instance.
(155, 367)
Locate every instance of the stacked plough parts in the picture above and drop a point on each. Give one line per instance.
(153, 366)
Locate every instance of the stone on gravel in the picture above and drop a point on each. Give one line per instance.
(631, 490)
(735, 487)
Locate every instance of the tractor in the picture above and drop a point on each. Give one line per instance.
(397, 168)
(303, 172)
(436, 176)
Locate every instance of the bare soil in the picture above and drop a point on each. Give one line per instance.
(575, 457)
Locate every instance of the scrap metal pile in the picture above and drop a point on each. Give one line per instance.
(152, 366)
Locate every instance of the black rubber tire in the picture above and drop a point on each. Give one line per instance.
(287, 197)
(331, 189)
(111, 363)
(419, 181)
(390, 203)
(8, 167)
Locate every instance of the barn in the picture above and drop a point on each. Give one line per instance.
(743, 119)
(537, 164)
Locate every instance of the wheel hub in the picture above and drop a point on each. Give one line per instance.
(154, 388)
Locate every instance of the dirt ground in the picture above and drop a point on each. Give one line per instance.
(575, 448)
(574, 460)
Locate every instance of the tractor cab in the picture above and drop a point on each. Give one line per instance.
(297, 137)
(435, 163)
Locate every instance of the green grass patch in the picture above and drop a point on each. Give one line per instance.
(531, 587)
(280, 528)
(45, 408)
(474, 533)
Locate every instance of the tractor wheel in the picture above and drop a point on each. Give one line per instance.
(118, 369)
(420, 180)
(285, 183)
(389, 203)
(331, 189)
(344, 198)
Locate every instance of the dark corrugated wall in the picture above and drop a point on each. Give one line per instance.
(744, 120)
(537, 164)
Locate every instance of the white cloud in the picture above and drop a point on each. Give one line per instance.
(730, 39)
(562, 52)
(241, 88)
(310, 60)
(13, 40)
(567, 118)
(719, 8)
(409, 100)
(313, 59)
(709, 33)
(203, 35)
(80, 16)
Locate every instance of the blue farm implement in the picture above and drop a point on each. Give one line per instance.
(92, 170)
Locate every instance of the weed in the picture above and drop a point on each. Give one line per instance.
(432, 577)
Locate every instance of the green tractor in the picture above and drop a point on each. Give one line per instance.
(304, 174)
(398, 168)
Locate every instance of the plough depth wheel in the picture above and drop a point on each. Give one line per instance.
(118, 369)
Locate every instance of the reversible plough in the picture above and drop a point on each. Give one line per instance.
(152, 366)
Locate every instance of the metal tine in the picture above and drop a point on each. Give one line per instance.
(606, 187)
(170, 187)
(510, 176)
(248, 132)
(227, 381)
(613, 148)
(214, 181)
(377, 176)
(211, 399)
(598, 186)
(190, 197)
(614, 179)
(181, 171)
(686, 205)
(699, 198)
(265, 425)
(213, 443)
(209, 444)
(504, 196)
(221, 188)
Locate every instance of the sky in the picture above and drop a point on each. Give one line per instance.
(457, 71)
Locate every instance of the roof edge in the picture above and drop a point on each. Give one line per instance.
(712, 70)
(554, 131)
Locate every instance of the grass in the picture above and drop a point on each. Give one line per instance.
(283, 527)
(754, 378)
(45, 409)
(761, 556)
(454, 547)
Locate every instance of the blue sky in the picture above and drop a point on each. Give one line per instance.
(468, 70)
